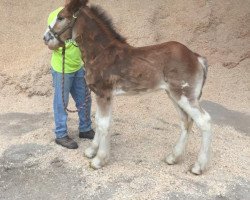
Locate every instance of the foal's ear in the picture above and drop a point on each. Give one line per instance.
(73, 5)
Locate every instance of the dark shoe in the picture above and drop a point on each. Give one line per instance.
(67, 142)
(88, 134)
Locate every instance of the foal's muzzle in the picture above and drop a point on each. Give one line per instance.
(47, 37)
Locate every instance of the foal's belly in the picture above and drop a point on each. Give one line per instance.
(118, 92)
(135, 89)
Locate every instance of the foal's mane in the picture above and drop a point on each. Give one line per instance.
(106, 21)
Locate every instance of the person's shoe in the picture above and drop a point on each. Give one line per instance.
(67, 142)
(88, 134)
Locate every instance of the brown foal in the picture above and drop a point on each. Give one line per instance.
(114, 67)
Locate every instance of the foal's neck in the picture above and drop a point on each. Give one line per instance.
(94, 38)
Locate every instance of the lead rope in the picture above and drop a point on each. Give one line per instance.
(87, 92)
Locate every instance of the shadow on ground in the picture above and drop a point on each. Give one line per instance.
(21, 177)
(16, 124)
(223, 116)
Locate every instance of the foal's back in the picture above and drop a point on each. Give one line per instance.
(164, 66)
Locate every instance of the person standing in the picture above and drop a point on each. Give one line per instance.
(75, 85)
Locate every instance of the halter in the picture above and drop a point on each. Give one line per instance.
(70, 25)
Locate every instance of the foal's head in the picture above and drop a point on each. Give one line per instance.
(61, 29)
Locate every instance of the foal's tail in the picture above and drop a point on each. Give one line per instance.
(204, 64)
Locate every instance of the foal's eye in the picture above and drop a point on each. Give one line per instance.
(59, 18)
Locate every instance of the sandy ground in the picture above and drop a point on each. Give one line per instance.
(145, 127)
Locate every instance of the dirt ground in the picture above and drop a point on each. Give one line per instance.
(144, 127)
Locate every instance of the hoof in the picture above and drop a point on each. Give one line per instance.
(170, 159)
(196, 169)
(90, 152)
(96, 163)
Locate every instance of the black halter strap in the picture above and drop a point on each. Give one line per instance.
(69, 26)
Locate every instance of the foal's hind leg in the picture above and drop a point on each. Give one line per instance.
(186, 126)
(202, 120)
(101, 143)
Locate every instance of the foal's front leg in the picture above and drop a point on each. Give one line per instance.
(101, 143)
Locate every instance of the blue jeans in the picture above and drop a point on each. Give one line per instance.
(74, 85)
